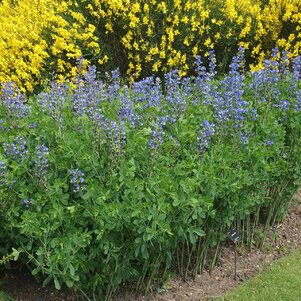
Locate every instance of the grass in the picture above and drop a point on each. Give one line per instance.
(279, 282)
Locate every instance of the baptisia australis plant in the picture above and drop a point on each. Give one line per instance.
(105, 184)
(41, 162)
(2, 172)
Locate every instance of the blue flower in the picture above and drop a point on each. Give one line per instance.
(53, 101)
(41, 163)
(2, 172)
(77, 179)
(26, 203)
(284, 105)
(14, 101)
(16, 150)
(244, 138)
(205, 135)
(269, 142)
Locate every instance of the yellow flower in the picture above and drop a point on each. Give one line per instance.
(156, 66)
(162, 54)
(162, 7)
(207, 42)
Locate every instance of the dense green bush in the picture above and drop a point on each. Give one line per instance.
(104, 184)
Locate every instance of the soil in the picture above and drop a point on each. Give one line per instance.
(207, 286)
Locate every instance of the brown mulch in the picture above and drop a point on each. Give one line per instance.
(23, 287)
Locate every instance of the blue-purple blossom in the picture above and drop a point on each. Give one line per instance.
(11, 185)
(159, 130)
(88, 94)
(187, 86)
(26, 203)
(297, 105)
(53, 101)
(284, 63)
(237, 62)
(212, 64)
(2, 168)
(229, 106)
(269, 142)
(203, 86)
(271, 68)
(296, 66)
(244, 138)
(156, 137)
(90, 75)
(126, 112)
(32, 125)
(205, 135)
(14, 102)
(175, 99)
(148, 91)
(16, 150)
(200, 69)
(77, 179)
(2, 172)
(114, 86)
(41, 162)
(265, 83)
(116, 135)
(284, 105)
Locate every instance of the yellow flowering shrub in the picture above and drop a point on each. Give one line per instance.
(38, 38)
(41, 37)
(260, 26)
(157, 36)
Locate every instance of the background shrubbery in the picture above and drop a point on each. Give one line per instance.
(41, 38)
(103, 184)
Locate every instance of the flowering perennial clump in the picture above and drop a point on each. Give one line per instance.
(104, 183)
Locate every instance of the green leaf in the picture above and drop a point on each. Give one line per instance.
(36, 271)
(16, 254)
(72, 271)
(199, 232)
(57, 283)
(47, 280)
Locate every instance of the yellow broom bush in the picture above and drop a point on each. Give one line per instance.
(38, 38)
(158, 36)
